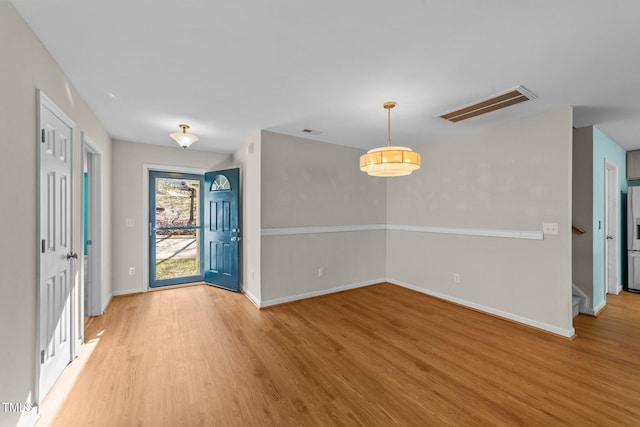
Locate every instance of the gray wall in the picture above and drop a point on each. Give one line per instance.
(314, 184)
(26, 66)
(582, 201)
(309, 183)
(512, 176)
(129, 243)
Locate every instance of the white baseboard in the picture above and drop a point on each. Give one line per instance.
(594, 311)
(262, 304)
(568, 333)
(600, 306)
(617, 291)
(106, 303)
(252, 297)
(128, 291)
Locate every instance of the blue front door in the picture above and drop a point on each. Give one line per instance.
(222, 229)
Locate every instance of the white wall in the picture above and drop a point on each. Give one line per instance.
(248, 159)
(311, 185)
(512, 176)
(129, 201)
(25, 67)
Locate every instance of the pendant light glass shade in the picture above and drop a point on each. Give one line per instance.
(389, 160)
(183, 138)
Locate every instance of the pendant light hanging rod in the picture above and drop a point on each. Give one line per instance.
(388, 106)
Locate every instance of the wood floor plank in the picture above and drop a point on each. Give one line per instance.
(375, 356)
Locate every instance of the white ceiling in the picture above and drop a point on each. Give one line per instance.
(230, 68)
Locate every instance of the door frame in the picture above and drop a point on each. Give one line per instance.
(152, 240)
(146, 168)
(611, 212)
(43, 101)
(92, 162)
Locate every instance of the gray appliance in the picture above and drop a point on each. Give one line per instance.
(633, 238)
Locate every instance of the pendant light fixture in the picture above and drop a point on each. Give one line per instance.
(183, 138)
(389, 160)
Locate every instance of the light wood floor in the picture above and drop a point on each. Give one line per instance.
(375, 356)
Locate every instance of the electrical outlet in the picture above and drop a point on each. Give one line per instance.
(132, 271)
(129, 222)
(456, 277)
(321, 272)
(550, 228)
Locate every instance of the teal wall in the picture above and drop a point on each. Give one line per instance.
(605, 148)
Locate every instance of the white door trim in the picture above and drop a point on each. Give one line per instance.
(44, 102)
(611, 184)
(146, 168)
(93, 158)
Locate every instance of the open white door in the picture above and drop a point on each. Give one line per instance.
(56, 257)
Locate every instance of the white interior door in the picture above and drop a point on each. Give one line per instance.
(56, 256)
(611, 227)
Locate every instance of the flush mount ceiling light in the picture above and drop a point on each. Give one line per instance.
(183, 138)
(389, 160)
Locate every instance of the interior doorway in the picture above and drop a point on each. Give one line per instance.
(92, 227)
(612, 227)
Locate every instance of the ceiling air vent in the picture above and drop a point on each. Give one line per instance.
(495, 102)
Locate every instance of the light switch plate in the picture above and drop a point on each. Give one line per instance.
(550, 228)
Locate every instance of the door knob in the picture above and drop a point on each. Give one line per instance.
(74, 256)
(234, 239)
